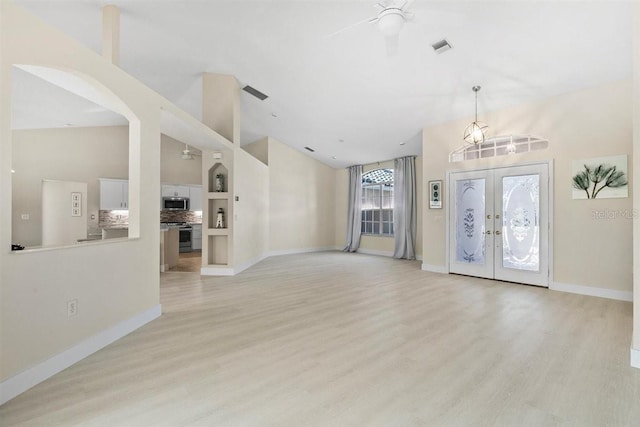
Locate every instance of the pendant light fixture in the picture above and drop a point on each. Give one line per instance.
(475, 133)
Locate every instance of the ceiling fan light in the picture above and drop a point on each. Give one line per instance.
(476, 133)
(390, 22)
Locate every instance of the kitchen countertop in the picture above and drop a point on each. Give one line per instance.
(115, 227)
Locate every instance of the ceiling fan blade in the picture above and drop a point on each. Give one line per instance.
(391, 43)
(349, 27)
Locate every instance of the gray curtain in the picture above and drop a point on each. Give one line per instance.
(404, 207)
(354, 212)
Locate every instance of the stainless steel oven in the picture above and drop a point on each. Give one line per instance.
(185, 238)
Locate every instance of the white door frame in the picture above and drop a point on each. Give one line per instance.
(449, 172)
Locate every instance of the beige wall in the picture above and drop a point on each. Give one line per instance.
(374, 244)
(301, 201)
(83, 155)
(251, 211)
(636, 188)
(175, 170)
(66, 154)
(589, 123)
(259, 150)
(113, 282)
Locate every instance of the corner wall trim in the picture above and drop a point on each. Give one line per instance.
(592, 291)
(244, 266)
(23, 381)
(435, 268)
(635, 358)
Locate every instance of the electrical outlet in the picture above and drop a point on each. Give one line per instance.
(24, 216)
(72, 307)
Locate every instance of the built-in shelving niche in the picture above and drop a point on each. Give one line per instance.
(218, 250)
(218, 240)
(214, 205)
(218, 169)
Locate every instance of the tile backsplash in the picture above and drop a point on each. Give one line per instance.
(116, 218)
(113, 218)
(180, 216)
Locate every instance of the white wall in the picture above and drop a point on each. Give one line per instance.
(251, 211)
(635, 354)
(59, 226)
(301, 199)
(593, 122)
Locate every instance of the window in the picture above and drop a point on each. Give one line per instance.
(498, 146)
(377, 202)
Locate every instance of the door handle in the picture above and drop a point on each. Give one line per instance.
(498, 232)
(486, 232)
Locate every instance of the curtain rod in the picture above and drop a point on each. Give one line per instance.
(382, 161)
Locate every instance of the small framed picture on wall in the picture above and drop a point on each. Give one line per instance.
(435, 194)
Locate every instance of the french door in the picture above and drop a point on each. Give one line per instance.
(499, 224)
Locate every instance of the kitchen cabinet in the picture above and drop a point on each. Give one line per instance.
(196, 237)
(195, 198)
(170, 190)
(114, 194)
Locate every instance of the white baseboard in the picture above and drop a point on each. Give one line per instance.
(435, 268)
(635, 358)
(231, 271)
(23, 381)
(592, 291)
(374, 252)
(300, 251)
(217, 271)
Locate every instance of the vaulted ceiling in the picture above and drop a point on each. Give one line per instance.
(341, 93)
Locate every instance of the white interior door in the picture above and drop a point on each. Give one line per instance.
(499, 224)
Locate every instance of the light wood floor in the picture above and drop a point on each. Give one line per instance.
(188, 262)
(335, 339)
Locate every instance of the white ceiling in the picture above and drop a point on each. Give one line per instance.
(345, 87)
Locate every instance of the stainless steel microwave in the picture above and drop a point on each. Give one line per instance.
(175, 203)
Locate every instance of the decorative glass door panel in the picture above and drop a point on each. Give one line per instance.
(513, 244)
(470, 212)
(471, 201)
(520, 222)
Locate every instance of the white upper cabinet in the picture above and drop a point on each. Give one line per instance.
(170, 190)
(114, 194)
(195, 197)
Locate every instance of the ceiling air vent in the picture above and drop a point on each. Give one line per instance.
(310, 149)
(255, 92)
(441, 46)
